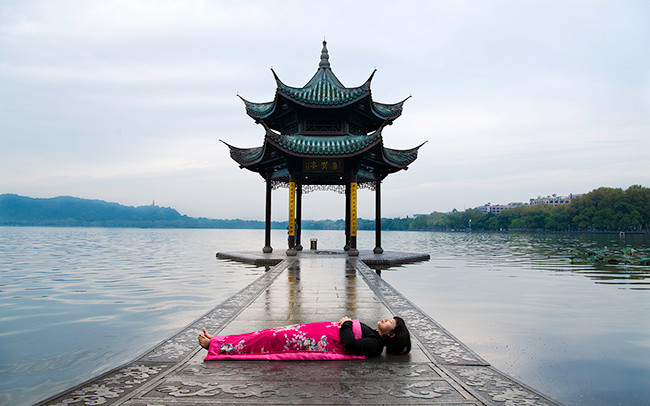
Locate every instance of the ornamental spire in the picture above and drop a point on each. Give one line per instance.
(324, 57)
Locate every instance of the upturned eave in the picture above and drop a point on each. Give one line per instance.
(400, 158)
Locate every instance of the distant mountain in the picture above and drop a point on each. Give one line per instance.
(602, 210)
(66, 211)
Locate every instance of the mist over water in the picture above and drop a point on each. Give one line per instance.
(76, 302)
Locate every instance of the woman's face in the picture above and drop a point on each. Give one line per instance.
(385, 326)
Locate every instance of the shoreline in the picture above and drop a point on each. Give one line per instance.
(534, 231)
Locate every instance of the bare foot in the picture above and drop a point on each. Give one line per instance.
(205, 333)
(204, 339)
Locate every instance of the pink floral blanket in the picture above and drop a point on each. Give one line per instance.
(298, 342)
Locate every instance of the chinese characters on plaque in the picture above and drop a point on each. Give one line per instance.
(320, 165)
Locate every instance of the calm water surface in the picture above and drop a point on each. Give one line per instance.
(578, 332)
(77, 302)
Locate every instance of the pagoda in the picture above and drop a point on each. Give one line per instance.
(323, 136)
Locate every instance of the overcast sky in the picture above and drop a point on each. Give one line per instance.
(126, 101)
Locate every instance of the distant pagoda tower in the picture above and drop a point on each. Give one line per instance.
(323, 136)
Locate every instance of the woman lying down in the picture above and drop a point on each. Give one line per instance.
(347, 339)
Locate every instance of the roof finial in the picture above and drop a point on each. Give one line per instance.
(324, 57)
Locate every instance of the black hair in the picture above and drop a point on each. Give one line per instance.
(400, 342)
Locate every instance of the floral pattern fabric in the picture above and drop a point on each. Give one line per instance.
(308, 341)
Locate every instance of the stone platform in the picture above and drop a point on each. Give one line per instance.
(386, 259)
(440, 370)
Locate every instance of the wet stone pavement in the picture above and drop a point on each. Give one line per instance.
(440, 370)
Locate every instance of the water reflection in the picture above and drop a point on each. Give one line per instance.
(294, 296)
(317, 290)
(537, 251)
(625, 278)
(101, 296)
(350, 286)
(518, 300)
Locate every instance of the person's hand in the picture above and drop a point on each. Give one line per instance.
(344, 319)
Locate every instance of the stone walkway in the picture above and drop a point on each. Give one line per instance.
(440, 370)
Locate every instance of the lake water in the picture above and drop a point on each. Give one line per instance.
(76, 302)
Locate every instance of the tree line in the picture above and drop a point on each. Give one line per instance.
(601, 210)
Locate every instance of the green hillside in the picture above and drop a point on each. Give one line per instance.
(66, 211)
(601, 210)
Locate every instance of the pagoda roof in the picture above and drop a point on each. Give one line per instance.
(321, 147)
(302, 125)
(323, 90)
(245, 156)
(260, 111)
(401, 157)
(330, 146)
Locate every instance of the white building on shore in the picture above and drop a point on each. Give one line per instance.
(553, 200)
(497, 208)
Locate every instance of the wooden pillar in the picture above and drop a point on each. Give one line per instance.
(267, 228)
(353, 252)
(298, 216)
(378, 249)
(346, 247)
(292, 220)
